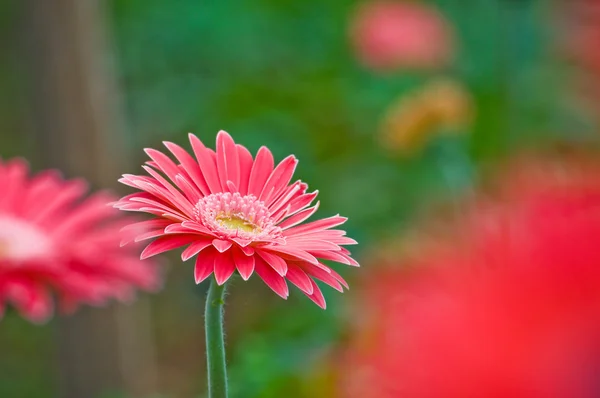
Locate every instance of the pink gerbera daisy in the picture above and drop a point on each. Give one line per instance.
(54, 242)
(237, 213)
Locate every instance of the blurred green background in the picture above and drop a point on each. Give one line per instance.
(85, 85)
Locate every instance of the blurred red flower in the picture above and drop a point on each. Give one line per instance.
(508, 309)
(54, 242)
(389, 35)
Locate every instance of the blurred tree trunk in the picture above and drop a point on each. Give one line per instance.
(78, 127)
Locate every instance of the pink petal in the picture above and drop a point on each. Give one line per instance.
(191, 192)
(242, 242)
(292, 252)
(166, 243)
(297, 204)
(129, 232)
(244, 264)
(271, 278)
(224, 267)
(228, 164)
(193, 225)
(343, 240)
(231, 186)
(299, 278)
(42, 186)
(311, 245)
(324, 276)
(245, 168)
(207, 164)
(248, 251)
(278, 264)
(299, 217)
(182, 228)
(175, 197)
(285, 197)
(221, 245)
(142, 226)
(190, 165)
(32, 300)
(339, 278)
(335, 256)
(318, 225)
(90, 212)
(279, 179)
(62, 198)
(164, 163)
(194, 249)
(317, 296)
(261, 170)
(157, 205)
(327, 234)
(205, 265)
(149, 235)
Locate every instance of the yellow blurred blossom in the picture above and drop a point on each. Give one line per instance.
(441, 106)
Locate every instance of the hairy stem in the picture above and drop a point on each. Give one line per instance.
(215, 345)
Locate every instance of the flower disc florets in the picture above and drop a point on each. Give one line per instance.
(231, 215)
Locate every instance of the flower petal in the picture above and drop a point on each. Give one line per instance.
(224, 267)
(166, 243)
(271, 278)
(299, 217)
(261, 170)
(190, 165)
(294, 253)
(221, 245)
(164, 163)
(318, 225)
(205, 265)
(245, 168)
(317, 296)
(299, 278)
(276, 262)
(228, 164)
(244, 263)
(279, 179)
(324, 276)
(194, 249)
(207, 164)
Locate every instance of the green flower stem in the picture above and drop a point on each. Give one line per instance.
(215, 346)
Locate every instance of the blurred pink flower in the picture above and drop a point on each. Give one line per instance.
(389, 35)
(54, 242)
(508, 307)
(238, 213)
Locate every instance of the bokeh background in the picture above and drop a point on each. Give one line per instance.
(86, 84)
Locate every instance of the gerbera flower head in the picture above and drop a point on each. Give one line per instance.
(53, 241)
(234, 212)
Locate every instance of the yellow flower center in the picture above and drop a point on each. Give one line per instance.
(234, 222)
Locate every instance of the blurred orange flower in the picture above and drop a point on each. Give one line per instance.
(443, 105)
